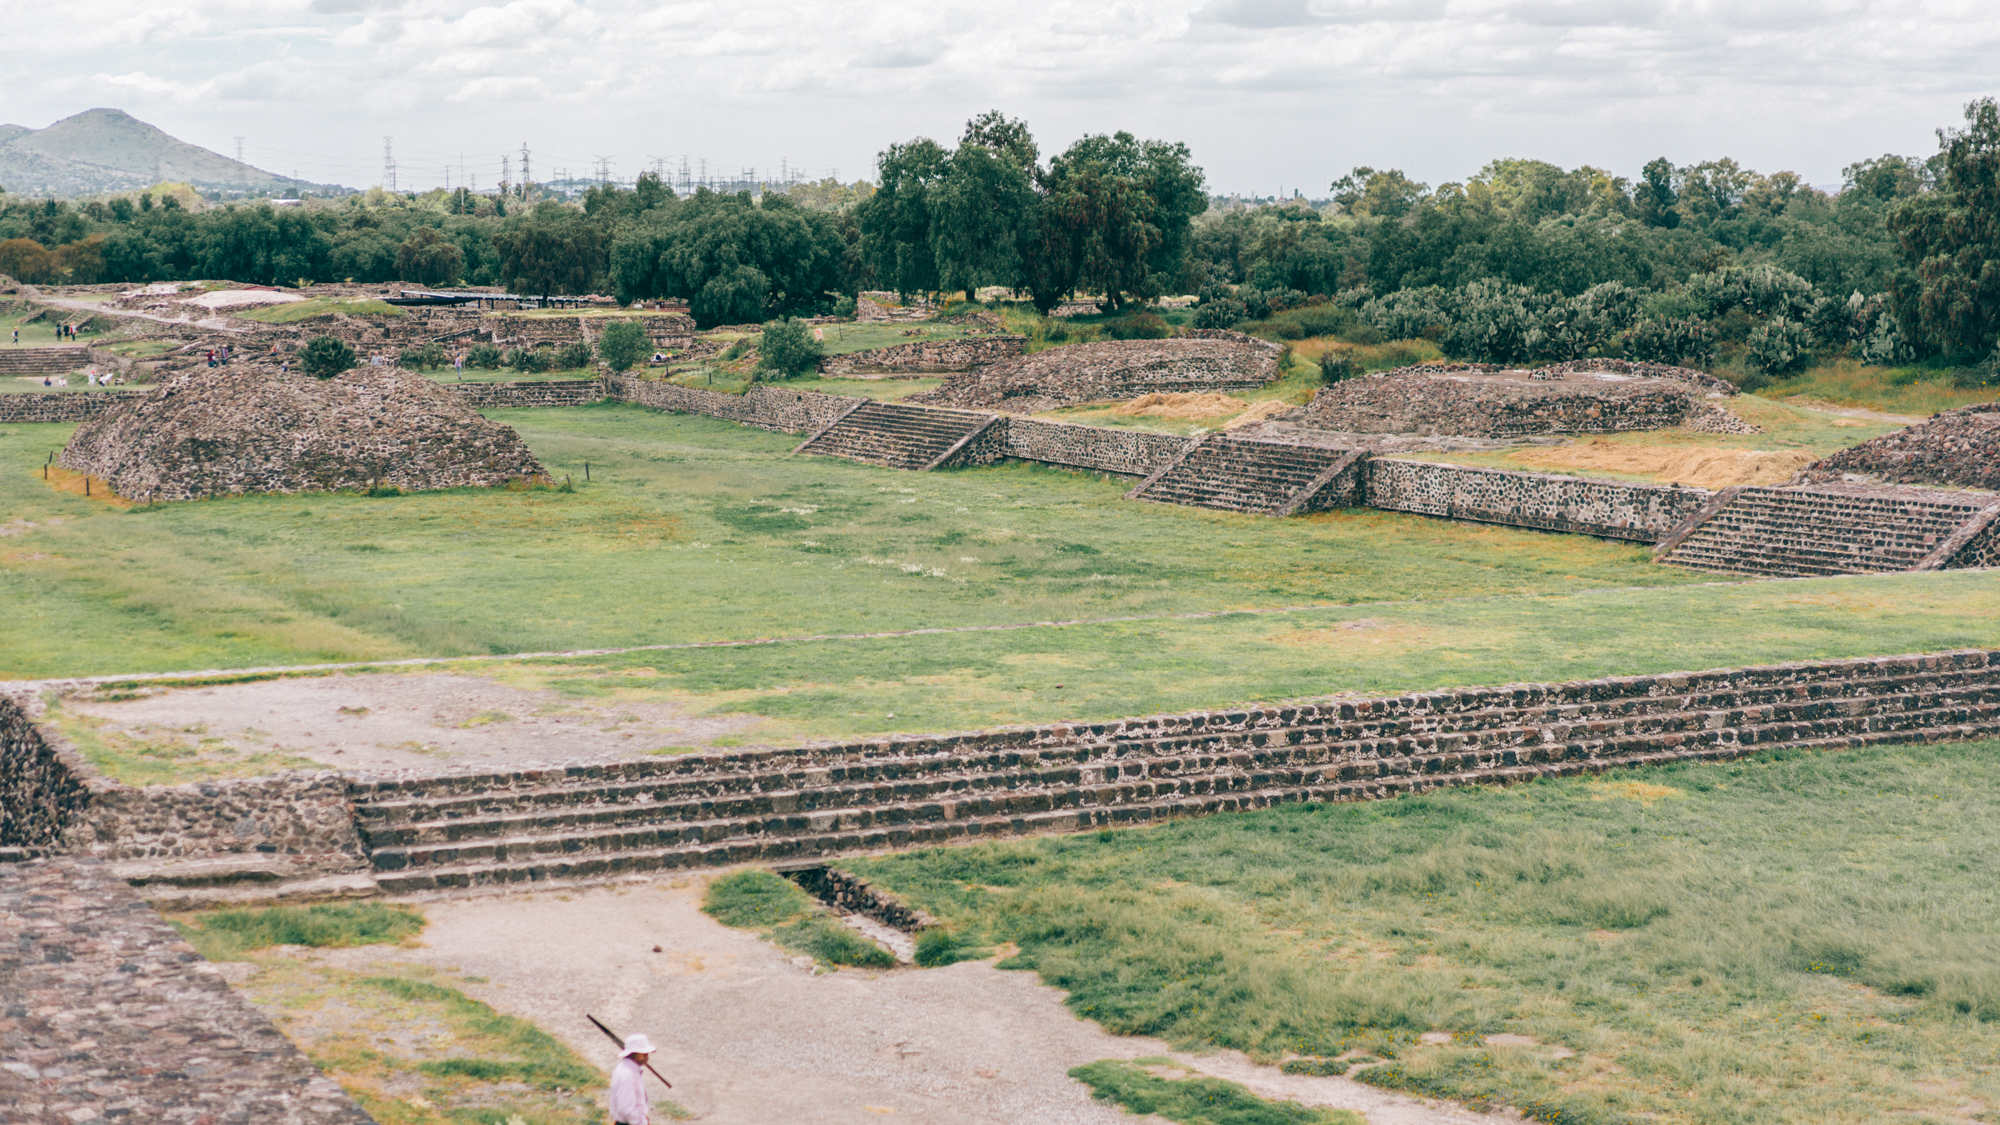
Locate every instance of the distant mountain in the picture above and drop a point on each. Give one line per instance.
(102, 150)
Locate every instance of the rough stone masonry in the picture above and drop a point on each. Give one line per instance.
(107, 1015)
(256, 429)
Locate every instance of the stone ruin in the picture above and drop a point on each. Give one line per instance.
(1958, 448)
(1112, 371)
(246, 428)
(1488, 401)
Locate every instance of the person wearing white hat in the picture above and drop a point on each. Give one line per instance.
(629, 1104)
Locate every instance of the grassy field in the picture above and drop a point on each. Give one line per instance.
(1791, 938)
(402, 1041)
(690, 529)
(292, 312)
(693, 530)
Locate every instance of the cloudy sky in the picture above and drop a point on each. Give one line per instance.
(1270, 94)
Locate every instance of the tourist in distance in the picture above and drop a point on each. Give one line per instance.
(629, 1105)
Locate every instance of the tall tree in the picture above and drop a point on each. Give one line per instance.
(552, 249)
(1114, 215)
(896, 220)
(1951, 239)
(979, 213)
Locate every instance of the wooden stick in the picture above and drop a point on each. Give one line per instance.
(616, 1038)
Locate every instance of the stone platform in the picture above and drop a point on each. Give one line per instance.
(107, 1015)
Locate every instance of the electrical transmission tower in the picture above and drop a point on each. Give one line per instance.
(506, 174)
(239, 150)
(389, 163)
(527, 177)
(603, 170)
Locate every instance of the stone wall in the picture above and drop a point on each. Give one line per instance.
(1128, 453)
(60, 406)
(1110, 371)
(767, 408)
(1612, 510)
(292, 826)
(1478, 403)
(110, 1016)
(665, 331)
(548, 392)
(926, 356)
(1981, 551)
(41, 790)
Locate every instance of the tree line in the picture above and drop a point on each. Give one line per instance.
(1522, 260)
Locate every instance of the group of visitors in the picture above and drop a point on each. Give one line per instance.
(217, 357)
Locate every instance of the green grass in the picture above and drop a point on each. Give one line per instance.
(227, 935)
(1795, 937)
(1140, 1087)
(754, 542)
(789, 917)
(1909, 391)
(413, 1050)
(845, 339)
(291, 312)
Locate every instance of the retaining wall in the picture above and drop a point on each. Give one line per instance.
(60, 406)
(926, 356)
(1128, 453)
(767, 408)
(549, 392)
(40, 791)
(1609, 509)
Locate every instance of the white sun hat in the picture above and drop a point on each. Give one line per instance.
(636, 1045)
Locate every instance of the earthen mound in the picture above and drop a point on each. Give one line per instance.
(1479, 400)
(1958, 448)
(1112, 370)
(237, 429)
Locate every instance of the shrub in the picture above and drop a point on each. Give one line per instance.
(528, 359)
(1682, 341)
(1314, 1067)
(574, 355)
(1220, 314)
(429, 355)
(623, 344)
(483, 355)
(1322, 320)
(788, 348)
(323, 357)
(1138, 326)
(1779, 347)
(1335, 366)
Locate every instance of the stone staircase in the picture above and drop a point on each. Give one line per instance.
(1816, 531)
(426, 833)
(1248, 475)
(16, 362)
(898, 435)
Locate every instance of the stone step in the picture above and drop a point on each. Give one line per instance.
(42, 360)
(895, 435)
(1417, 776)
(614, 829)
(1799, 532)
(1239, 474)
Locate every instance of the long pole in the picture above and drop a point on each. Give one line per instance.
(615, 1038)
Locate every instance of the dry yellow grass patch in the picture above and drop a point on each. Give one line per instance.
(1258, 412)
(66, 480)
(1644, 792)
(1182, 404)
(1700, 466)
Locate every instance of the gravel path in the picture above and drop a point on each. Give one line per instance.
(749, 1036)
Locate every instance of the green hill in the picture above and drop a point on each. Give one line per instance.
(102, 150)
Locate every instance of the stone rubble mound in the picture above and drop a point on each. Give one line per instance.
(1568, 368)
(1483, 400)
(1112, 371)
(247, 428)
(1958, 448)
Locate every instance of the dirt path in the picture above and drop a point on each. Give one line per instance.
(406, 721)
(749, 1036)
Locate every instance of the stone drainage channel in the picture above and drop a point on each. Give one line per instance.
(868, 910)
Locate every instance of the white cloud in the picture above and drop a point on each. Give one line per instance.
(1263, 90)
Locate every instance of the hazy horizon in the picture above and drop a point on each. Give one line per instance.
(1270, 95)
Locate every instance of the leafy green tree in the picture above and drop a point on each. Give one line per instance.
(1951, 240)
(1778, 347)
(1657, 194)
(552, 249)
(484, 356)
(428, 258)
(323, 357)
(1383, 195)
(896, 221)
(981, 208)
(1113, 215)
(623, 344)
(733, 259)
(787, 347)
